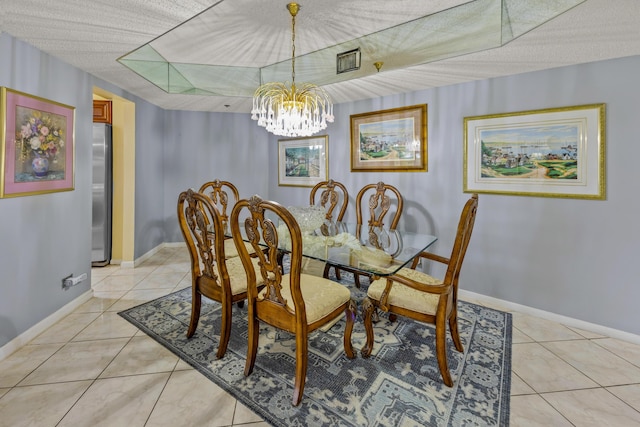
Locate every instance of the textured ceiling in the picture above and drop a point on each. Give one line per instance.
(93, 34)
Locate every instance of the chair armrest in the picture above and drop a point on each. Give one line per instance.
(428, 255)
(442, 289)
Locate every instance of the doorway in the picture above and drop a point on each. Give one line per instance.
(124, 169)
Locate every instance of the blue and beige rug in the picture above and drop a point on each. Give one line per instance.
(399, 385)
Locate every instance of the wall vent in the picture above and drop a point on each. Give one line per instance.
(348, 61)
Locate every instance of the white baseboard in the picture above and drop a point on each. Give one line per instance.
(175, 245)
(44, 324)
(567, 321)
(41, 326)
(146, 256)
(155, 250)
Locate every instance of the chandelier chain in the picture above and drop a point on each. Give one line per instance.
(293, 46)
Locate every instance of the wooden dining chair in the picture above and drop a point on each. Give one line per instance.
(373, 203)
(295, 302)
(334, 198)
(421, 297)
(212, 275)
(223, 195)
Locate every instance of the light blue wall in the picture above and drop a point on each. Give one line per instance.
(571, 257)
(200, 147)
(46, 237)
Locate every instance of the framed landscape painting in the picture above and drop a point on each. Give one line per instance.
(302, 162)
(37, 145)
(557, 152)
(390, 140)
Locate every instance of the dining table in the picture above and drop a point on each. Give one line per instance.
(375, 251)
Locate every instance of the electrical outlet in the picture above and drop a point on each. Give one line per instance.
(66, 282)
(70, 281)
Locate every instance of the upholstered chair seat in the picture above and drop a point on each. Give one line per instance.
(321, 296)
(405, 296)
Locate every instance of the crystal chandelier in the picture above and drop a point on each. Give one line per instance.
(290, 110)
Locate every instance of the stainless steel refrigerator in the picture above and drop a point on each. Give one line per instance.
(102, 195)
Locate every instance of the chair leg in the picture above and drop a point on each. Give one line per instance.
(302, 355)
(196, 302)
(225, 329)
(368, 308)
(356, 280)
(252, 343)
(441, 347)
(350, 313)
(327, 267)
(453, 327)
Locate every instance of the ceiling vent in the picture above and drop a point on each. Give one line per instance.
(348, 61)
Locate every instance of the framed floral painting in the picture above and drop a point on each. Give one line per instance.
(37, 153)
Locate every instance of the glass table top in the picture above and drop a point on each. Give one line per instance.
(377, 251)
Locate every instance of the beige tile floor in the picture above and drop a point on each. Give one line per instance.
(93, 368)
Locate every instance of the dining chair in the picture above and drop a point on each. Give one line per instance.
(223, 195)
(373, 203)
(421, 297)
(334, 198)
(212, 275)
(295, 302)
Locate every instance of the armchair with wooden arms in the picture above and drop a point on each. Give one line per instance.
(212, 275)
(419, 296)
(295, 302)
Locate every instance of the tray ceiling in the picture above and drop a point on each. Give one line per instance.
(92, 35)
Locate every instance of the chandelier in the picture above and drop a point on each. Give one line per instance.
(289, 110)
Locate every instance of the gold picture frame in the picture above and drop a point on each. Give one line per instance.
(37, 148)
(554, 152)
(392, 140)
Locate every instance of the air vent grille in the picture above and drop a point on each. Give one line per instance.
(348, 61)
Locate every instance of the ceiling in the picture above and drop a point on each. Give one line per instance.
(93, 34)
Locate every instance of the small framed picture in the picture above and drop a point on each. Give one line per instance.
(303, 162)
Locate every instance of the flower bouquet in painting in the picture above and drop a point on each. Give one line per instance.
(40, 141)
(38, 145)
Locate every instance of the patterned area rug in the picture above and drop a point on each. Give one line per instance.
(399, 385)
